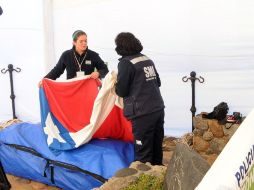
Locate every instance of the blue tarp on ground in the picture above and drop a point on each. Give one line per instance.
(101, 157)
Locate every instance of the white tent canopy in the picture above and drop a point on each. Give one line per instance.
(214, 38)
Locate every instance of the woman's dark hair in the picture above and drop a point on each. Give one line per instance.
(76, 34)
(127, 44)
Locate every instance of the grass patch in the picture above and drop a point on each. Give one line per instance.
(146, 182)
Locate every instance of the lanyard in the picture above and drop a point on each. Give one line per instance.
(79, 64)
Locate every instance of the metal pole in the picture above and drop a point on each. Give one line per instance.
(10, 70)
(193, 78)
(12, 92)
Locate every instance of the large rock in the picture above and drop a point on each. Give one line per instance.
(200, 123)
(208, 135)
(230, 128)
(124, 177)
(216, 128)
(199, 144)
(185, 170)
(217, 145)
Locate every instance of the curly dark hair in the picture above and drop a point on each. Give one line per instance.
(127, 44)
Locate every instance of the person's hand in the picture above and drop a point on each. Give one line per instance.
(95, 75)
(40, 84)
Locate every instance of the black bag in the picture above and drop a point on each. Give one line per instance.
(219, 112)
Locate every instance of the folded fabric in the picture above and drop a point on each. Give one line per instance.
(75, 111)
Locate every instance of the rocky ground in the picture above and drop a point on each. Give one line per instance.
(18, 183)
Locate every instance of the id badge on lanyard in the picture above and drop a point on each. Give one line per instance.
(79, 73)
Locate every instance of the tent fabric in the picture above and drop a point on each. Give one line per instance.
(75, 111)
(95, 156)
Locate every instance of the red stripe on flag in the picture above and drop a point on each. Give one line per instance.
(71, 102)
(115, 126)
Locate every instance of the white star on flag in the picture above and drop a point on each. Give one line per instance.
(52, 131)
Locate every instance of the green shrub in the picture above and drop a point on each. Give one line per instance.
(146, 182)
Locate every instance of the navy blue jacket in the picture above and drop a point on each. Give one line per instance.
(138, 83)
(67, 61)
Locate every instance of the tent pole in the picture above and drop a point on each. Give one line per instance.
(10, 70)
(193, 78)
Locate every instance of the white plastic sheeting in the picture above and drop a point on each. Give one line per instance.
(214, 38)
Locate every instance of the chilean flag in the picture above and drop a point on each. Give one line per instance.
(76, 110)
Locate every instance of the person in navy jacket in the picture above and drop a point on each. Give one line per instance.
(138, 83)
(79, 60)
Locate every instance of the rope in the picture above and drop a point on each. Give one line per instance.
(8, 123)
